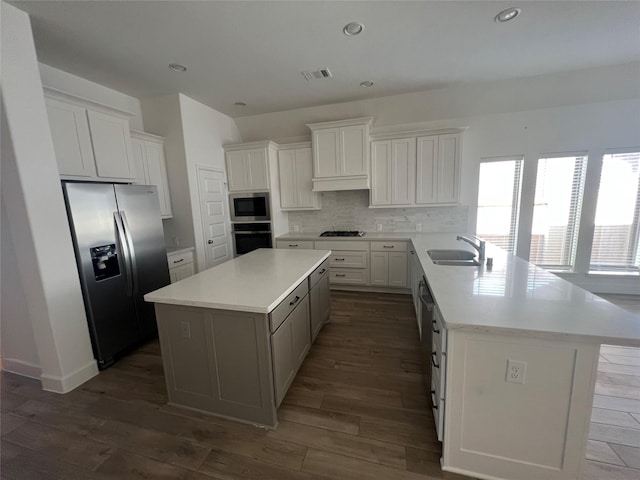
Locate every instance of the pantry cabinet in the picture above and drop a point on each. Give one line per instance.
(295, 171)
(151, 168)
(91, 142)
(341, 154)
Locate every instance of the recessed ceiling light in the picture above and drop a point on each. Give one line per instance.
(240, 104)
(508, 14)
(353, 28)
(176, 67)
(366, 83)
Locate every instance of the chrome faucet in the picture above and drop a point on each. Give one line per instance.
(479, 246)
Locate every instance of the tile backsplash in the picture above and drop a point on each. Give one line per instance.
(349, 210)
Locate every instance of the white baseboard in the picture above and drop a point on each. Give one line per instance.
(67, 383)
(20, 367)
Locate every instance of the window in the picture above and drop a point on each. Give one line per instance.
(615, 237)
(556, 211)
(498, 199)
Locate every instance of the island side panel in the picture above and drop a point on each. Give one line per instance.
(502, 430)
(218, 361)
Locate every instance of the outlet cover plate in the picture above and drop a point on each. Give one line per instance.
(516, 371)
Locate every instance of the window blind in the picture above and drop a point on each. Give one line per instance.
(556, 211)
(498, 200)
(615, 237)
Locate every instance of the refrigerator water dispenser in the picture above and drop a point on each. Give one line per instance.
(105, 261)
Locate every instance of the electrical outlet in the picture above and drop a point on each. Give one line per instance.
(418, 227)
(379, 227)
(516, 371)
(296, 228)
(185, 329)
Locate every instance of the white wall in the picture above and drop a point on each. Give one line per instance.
(194, 134)
(205, 130)
(36, 219)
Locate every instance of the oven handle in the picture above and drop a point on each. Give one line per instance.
(253, 233)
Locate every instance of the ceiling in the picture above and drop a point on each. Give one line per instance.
(254, 52)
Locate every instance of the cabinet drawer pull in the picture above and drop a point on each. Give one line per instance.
(339, 259)
(322, 271)
(341, 274)
(293, 244)
(178, 261)
(388, 246)
(295, 300)
(433, 400)
(435, 330)
(433, 360)
(412, 252)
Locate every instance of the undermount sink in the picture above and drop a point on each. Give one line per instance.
(458, 258)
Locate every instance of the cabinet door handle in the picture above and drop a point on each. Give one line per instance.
(433, 400)
(293, 245)
(295, 300)
(435, 330)
(322, 271)
(388, 246)
(178, 261)
(339, 259)
(433, 360)
(412, 252)
(341, 274)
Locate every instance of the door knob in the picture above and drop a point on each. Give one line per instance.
(210, 242)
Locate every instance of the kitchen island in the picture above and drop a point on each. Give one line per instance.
(513, 360)
(234, 336)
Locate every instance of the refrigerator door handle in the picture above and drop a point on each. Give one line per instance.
(132, 252)
(124, 245)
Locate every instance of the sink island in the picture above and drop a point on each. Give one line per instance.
(234, 336)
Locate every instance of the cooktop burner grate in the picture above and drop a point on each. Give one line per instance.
(342, 233)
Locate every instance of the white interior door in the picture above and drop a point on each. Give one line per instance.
(214, 212)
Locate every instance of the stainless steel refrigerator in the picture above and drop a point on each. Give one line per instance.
(121, 256)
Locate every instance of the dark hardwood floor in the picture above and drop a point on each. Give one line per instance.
(356, 410)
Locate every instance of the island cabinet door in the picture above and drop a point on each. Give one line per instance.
(289, 345)
(320, 305)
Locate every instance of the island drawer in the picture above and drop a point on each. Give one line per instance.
(348, 259)
(308, 244)
(318, 273)
(347, 276)
(388, 246)
(282, 311)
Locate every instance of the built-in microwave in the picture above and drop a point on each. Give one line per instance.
(250, 207)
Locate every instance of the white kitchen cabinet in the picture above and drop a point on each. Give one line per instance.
(438, 169)
(438, 371)
(111, 145)
(248, 169)
(295, 171)
(91, 142)
(151, 167)
(289, 345)
(181, 264)
(389, 264)
(71, 138)
(341, 154)
(393, 171)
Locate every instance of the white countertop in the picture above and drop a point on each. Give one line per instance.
(514, 296)
(256, 282)
(177, 250)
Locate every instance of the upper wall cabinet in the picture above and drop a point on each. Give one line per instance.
(91, 141)
(414, 172)
(438, 169)
(151, 167)
(393, 172)
(341, 154)
(295, 170)
(247, 167)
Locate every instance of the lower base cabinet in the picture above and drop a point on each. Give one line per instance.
(289, 345)
(320, 304)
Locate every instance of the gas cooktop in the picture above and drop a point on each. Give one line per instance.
(342, 233)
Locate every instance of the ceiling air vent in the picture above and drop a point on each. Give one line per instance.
(317, 74)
